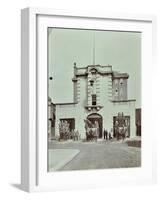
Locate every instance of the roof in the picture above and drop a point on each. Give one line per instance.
(84, 71)
(126, 100)
(120, 75)
(100, 69)
(66, 103)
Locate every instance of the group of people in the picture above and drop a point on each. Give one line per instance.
(66, 133)
(107, 135)
(74, 134)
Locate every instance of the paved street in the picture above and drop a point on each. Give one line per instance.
(100, 155)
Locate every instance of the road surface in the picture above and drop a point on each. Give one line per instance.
(100, 155)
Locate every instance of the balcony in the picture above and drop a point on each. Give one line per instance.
(93, 107)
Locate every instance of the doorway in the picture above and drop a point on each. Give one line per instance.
(127, 124)
(71, 122)
(96, 117)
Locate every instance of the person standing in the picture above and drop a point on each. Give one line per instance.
(110, 135)
(97, 128)
(104, 134)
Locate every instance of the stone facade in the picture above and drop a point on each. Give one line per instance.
(99, 93)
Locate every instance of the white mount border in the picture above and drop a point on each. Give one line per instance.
(29, 169)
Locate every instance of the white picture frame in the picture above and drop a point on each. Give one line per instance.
(34, 175)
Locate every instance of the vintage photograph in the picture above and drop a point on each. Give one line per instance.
(94, 99)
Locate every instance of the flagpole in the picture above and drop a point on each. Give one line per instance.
(94, 48)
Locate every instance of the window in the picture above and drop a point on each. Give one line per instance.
(93, 99)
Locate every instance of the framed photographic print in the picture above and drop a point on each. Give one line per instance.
(86, 107)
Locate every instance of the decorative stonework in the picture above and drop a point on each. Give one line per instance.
(102, 82)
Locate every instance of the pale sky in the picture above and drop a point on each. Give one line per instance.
(122, 50)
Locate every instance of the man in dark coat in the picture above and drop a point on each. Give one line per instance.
(105, 134)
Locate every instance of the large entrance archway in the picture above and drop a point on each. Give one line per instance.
(96, 117)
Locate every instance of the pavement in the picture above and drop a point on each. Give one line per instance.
(94, 155)
(58, 158)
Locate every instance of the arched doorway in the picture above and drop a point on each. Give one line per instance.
(96, 117)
